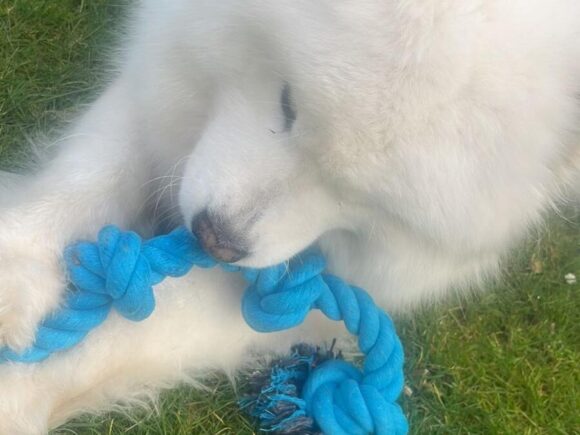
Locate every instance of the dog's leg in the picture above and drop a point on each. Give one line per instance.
(95, 179)
(196, 327)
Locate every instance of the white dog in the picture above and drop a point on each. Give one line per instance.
(414, 140)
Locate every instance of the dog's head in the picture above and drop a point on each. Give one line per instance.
(305, 122)
(288, 139)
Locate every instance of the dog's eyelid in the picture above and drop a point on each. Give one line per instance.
(288, 108)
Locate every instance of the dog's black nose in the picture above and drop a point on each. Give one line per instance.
(217, 239)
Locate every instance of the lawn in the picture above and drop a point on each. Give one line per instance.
(503, 361)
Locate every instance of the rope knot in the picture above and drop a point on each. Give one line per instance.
(342, 403)
(115, 266)
(280, 297)
(124, 268)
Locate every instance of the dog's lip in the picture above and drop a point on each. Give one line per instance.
(225, 253)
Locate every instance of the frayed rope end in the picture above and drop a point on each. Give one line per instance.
(274, 396)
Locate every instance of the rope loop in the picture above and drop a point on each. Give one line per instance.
(280, 297)
(341, 398)
(120, 270)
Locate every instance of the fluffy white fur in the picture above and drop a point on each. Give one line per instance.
(430, 134)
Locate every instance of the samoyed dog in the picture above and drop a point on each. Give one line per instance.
(413, 140)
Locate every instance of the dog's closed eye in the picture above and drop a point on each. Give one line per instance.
(288, 108)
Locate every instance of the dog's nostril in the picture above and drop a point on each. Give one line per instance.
(217, 239)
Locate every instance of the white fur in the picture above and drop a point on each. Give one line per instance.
(430, 135)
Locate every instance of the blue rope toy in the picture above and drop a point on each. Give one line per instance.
(333, 396)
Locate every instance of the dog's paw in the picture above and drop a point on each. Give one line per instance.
(31, 284)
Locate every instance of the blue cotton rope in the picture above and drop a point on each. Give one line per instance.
(120, 270)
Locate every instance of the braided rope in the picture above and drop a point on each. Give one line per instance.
(119, 271)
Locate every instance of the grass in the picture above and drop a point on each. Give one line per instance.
(50, 60)
(504, 361)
